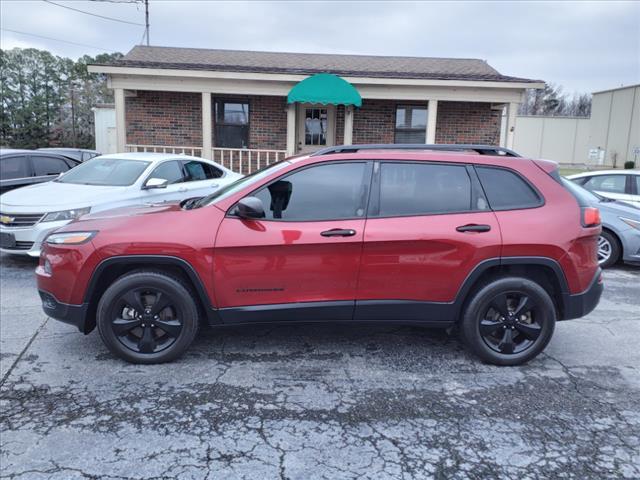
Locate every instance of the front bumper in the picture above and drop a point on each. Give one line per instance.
(75, 315)
(29, 239)
(630, 246)
(581, 304)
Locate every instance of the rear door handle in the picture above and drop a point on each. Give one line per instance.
(338, 232)
(472, 227)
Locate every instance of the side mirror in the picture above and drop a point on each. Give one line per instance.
(155, 183)
(250, 207)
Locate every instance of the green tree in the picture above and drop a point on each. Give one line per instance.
(47, 100)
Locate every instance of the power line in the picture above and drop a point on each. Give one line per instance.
(93, 14)
(117, 1)
(57, 40)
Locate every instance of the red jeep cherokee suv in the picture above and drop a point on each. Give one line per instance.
(464, 235)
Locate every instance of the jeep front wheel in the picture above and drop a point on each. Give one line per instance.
(147, 317)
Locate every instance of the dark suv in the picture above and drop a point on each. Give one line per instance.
(472, 236)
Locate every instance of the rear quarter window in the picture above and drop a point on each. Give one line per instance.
(506, 190)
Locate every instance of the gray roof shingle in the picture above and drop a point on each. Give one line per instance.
(311, 63)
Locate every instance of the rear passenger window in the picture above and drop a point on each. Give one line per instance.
(200, 171)
(423, 189)
(506, 190)
(48, 165)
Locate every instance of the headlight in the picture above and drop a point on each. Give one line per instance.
(632, 223)
(66, 214)
(70, 238)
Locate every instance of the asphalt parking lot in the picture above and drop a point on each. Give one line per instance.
(307, 402)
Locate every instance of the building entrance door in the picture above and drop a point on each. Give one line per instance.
(316, 127)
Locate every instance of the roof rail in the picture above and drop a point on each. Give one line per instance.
(480, 149)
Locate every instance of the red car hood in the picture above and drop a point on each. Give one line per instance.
(127, 219)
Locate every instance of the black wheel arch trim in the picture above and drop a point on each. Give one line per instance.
(186, 267)
(482, 267)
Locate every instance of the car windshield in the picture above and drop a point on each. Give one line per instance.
(113, 172)
(241, 183)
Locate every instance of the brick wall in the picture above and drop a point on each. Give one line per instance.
(164, 118)
(340, 124)
(268, 122)
(374, 122)
(174, 118)
(468, 122)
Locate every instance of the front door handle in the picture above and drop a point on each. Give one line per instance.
(338, 232)
(472, 227)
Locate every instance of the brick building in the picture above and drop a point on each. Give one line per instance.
(244, 109)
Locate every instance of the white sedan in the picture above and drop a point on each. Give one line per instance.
(621, 185)
(29, 214)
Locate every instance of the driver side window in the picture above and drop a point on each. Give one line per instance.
(170, 171)
(325, 192)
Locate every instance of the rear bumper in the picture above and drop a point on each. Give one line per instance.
(581, 304)
(75, 315)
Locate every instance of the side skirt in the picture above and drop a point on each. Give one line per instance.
(361, 311)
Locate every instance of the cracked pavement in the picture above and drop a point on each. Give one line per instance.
(324, 401)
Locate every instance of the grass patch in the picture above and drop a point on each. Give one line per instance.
(570, 171)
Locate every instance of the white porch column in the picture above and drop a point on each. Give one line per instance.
(348, 124)
(432, 116)
(121, 127)
(206, 125)
(511, 123)
(291, 129)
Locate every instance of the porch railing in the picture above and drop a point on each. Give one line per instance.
(241, 160)
(193, 151)
(245, 160)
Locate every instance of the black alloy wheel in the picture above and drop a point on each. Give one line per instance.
(148, 317)
(508, 321)
(146, 320)
(510, 324)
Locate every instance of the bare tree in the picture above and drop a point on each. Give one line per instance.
(552, 101)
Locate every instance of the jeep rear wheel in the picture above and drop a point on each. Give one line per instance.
(147, 317)
(509, 321)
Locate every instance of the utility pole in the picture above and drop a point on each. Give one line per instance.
(146, 19)
(73, 114)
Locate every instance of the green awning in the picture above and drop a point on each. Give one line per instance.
(326, 89)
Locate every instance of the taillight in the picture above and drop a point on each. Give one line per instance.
(590, 217)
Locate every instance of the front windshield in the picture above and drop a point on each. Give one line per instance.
(112, 172)
(241, 183)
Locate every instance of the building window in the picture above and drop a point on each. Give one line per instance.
(411, 124)
(231, 124)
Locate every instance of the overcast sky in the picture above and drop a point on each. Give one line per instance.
(583, 46)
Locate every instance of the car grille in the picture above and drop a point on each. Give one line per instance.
(23, 246)
(19, 220)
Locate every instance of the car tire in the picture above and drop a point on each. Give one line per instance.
(608, 244)
(508, 321)
(148, 317)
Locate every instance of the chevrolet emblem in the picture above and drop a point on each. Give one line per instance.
(6, 220)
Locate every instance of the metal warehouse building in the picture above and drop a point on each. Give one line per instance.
(610, 137)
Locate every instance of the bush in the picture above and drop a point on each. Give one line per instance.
(629, 165)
